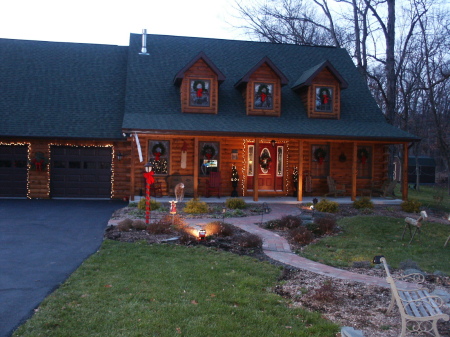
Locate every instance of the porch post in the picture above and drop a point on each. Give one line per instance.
(300, 171)
(256, 171)
(405, 172)
(132, 177)
(195, 167)
(354, 170)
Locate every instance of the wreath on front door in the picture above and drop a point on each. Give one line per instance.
(265, 160)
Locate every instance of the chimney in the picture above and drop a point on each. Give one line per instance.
(144, 43)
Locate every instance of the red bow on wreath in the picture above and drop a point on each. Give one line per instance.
(157, 155)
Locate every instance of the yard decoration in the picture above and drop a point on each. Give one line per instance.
(320, 155)
(363, 154)
(39, 162)
(234, 180)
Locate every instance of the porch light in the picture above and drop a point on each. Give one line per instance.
(201, 234)
(148, 167)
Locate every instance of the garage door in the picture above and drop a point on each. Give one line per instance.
(80, 172)
(13, 170)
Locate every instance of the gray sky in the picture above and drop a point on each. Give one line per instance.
(111, 21)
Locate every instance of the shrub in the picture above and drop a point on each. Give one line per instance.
(139, 224)
(290, 222)
(125, 225)
(195, 206)
(326, 293)
(301, 235)
(161, 227)
(273, 224)
(249, 240)
(154, 205)
(325, 224)
(235, 203)
(363, 203)
(411, 206)
(219, 228)
(187, 239)
(327, 206)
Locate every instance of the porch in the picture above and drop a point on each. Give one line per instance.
(278, 200)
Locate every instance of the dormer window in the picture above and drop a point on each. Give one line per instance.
(199, 84)
(320, 89)
(200, 90)
(261, 89)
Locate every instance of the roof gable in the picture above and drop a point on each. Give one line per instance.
(246, 78)
(308, 75)
(180, 75)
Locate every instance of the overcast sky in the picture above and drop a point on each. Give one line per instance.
(111, 21)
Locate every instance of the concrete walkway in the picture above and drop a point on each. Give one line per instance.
(277, 248)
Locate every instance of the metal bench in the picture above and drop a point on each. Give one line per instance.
(418, 309)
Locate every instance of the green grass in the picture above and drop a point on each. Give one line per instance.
(364, 237)
(426, 197)
(164, 290)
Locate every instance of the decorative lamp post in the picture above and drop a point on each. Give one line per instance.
(234, 180)
(224, 210)
(148, 175)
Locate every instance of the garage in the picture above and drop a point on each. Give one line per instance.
(13, 171)
(80, 172)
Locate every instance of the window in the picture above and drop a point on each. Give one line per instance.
(279, 161)
(320, 162)
(159, 155)
(251, 160)
(263, 96)
(324, 99)
(364, 161)
(208, 157)
(199, 93)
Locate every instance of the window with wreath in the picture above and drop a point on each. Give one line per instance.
(263, 96)
(320, 163)
(364, 161)
(199, 93)
(159, 155)
(324, 99)
(208, 157)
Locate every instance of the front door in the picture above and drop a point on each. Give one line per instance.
(269, 163)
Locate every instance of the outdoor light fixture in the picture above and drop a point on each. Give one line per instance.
(377, 259)
(273, 142)
(119, 156)
(224, 210)
(266, 208)
(315, 201)
(201, 234)
(148, 167)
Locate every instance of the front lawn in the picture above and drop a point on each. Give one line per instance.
(366, 236)
(168, 290)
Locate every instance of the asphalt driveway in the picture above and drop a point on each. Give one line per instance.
(41, 243)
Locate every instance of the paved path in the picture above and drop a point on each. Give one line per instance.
(277, 248)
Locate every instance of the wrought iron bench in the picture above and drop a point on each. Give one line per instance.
(417, 307)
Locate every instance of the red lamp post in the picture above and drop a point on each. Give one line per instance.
(148, 175)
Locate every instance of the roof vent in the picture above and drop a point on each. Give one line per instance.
(144, 43)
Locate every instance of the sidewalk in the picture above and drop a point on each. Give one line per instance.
(277, 248)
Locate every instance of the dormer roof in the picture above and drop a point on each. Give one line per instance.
(308, 76)
(245, 79)
(180, 75)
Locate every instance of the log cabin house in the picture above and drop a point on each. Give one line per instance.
(81, 120)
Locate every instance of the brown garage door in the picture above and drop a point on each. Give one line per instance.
(80, 172)
(13, 170)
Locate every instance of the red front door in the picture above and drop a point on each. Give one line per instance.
(269, 163)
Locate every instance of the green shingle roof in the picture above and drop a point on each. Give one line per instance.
(153, 101)
(68, 90)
